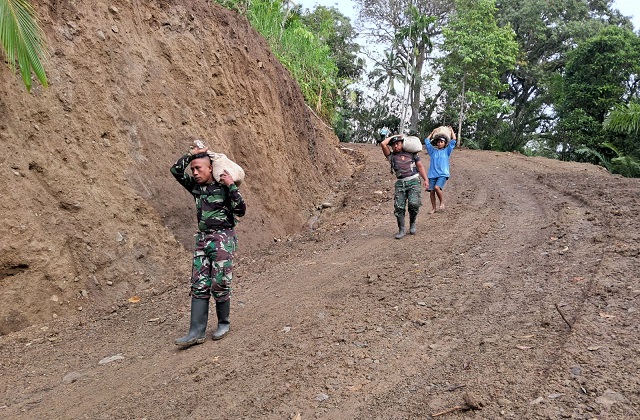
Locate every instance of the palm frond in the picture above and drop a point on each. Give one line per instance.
(584, 150)
(22, 40)
(624, 119)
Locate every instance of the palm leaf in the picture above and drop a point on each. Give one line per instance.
(22, 40)
(624, 119)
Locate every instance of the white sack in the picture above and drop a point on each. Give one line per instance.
(442, 131)
(411, 144)
(220, 162)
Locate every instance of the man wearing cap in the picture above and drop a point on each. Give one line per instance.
(408, 170)
(218, 203)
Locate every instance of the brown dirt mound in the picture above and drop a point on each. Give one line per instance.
(90, 211)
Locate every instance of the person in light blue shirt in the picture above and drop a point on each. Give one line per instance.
(439, 148)
(384, 132)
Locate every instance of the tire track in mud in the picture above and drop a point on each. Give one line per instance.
(495, 299)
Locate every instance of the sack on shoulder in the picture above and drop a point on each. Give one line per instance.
(220, 162)
(411, 144)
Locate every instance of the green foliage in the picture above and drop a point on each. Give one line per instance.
(478, 52)
(600, 75)
(307, 57)
(546, 30)
(22, 40)
(626, 166)
(624, 119)
(621, 164)
(319, 51)
(335, 30)
(598, 70)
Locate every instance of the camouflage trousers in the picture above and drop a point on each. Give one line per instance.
(407, 191)
(212, 269)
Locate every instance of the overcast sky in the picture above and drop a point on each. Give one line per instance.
(347, 8)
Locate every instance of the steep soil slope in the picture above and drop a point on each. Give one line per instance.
(522, 294)
(90, 214)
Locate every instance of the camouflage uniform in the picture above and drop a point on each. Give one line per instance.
(217, 208)
(407, 187)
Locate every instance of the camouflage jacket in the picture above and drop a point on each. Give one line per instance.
(217, 205)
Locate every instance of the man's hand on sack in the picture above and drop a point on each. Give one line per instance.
(226, 178)
(195, 150)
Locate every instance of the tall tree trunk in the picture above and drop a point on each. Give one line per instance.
(416, 87)
(461, 116)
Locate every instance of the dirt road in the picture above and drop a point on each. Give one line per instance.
(522, 295)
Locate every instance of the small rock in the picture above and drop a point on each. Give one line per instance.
(101, 35)
(609, 398)
(114, 28)
(322, 397)
(110, 359)
(71, 377)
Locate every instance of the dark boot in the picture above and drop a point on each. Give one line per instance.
(198, 326)
(412, 224)
(400, 233)
(222, 311)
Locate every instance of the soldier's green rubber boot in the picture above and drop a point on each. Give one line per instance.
(412, 224)
(198, 325)
(222, 311)
(401, 232)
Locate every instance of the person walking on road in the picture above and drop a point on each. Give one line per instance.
(218, 204)
(439, 149)
(408, 170)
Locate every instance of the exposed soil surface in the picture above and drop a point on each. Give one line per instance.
(90, 214)
(520, 297)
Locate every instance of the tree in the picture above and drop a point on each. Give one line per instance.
(601, 73)
(403, 33)
(22, 40)
(545, 30)
(478, 52)
(335, 30)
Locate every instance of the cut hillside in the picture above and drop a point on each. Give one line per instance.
(90, 213)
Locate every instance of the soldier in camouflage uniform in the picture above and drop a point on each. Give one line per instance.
(218, 203)
(408, 169)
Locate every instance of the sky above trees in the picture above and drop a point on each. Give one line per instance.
(347, 7)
